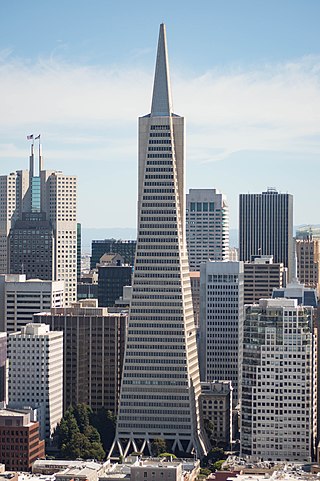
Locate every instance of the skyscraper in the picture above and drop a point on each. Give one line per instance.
(207, 227)
(21, 298)
(308, 260)
(278, 409)
(221, 322)
(160, 385)
(36, 373)
(261, 276)
(38, 227)
(266, 227)
(93, 352)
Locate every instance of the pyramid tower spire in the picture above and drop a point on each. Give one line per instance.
(161, 98)
(160, 380)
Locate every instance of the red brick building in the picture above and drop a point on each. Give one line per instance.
(20, 445)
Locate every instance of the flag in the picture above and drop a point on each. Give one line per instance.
(36, 138)
(30, 137)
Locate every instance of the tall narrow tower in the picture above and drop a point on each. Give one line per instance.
(160, 385)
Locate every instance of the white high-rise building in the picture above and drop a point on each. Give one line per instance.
(221, 322)
(38, 225)
(278, 406)
(36, 373)
(59, 200)
(13, 188)
(207, 227)
(160, 384)
(20, 299)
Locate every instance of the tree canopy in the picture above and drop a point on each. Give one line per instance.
(76, 437)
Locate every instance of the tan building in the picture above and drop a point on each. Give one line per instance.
(216, 407)
(35, 203)
(308, 261)
(94, 342)
(261, 276)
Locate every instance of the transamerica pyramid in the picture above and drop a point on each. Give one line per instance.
(160, 383)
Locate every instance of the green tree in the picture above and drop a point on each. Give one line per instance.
(76, 437)
(158, 446)
(82, 413)
(105, 422)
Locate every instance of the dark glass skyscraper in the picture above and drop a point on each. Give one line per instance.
(266, 227)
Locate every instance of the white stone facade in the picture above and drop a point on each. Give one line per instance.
(36, 373)
(221, 322)
(20, 299)
(278, 406)
(207, 227)
(160, 385)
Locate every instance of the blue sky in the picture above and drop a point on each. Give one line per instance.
(246, 74)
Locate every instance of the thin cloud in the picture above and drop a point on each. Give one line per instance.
(271, 107)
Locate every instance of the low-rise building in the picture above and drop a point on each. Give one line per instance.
(216, 407)
(52, 466)
(20, 444)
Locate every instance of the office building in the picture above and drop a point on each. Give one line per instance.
(31, 246)
(13, 190)
(94, 341)
(278, 406)
(207, 227)
(113, 275)
(22, 445)
(38, 225)
(87, 286)
(305, 296)
(221, 322)
(21, 298)
(308, 261)
(195, 293)
(78, 251)
(4, 366)
(125, 248)
(160, 385)
(261, 276)
(266, 227)
(36, 373)
(216, 407)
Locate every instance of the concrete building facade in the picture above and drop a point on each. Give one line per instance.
(216, 407)
(36, 373)
(308, 261)
(38, 225)
(261, 276)
(94, 342)
(221, 322)
(160, 386)
(207, 227)
(278, 406)
(21, 298)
